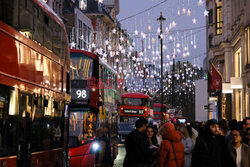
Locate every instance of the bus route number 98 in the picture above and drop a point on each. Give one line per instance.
(81, 94)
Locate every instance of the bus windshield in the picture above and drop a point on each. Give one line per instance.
(81, 66)
(135, 101)
(158, 109)
(82, 126)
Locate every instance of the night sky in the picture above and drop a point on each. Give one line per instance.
(185, 34)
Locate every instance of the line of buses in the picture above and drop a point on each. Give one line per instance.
(52, 99)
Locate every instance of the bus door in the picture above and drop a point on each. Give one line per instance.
(24, 129)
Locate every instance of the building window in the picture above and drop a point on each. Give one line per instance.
(219, 18)
(238, 65)
(84, 31)
(210, 17)
(210, 40)
(80, 34)
(247, 104)
(248, 45)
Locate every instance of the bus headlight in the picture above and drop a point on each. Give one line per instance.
(95, 146)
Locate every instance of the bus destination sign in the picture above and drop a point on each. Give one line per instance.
(133, 111)
(79, 94)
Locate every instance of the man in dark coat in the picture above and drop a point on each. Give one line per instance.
(138, 153)
(103, 156)
(211, 148)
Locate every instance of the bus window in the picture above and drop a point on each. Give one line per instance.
(26, 17)
(9, 12)
(56, 39)
(47, 40)
(58, 114)
(36, 130)
(82, 66)
(47, 124)
(8, 119)
(135, 101)
(83, 126)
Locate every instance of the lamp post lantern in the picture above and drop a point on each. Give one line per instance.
(161, 19)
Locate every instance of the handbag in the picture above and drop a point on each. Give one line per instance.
(174, 153)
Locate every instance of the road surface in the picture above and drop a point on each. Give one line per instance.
(120, 157)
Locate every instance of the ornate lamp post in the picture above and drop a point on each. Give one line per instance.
(161, 19)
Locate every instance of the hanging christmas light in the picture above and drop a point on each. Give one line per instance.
(184, 10)
(73, 44)
(206, 13)
(194, 21)
(153, 40)
(167, 30)
(179, 12)
(136, 32)
(173, 24)
(200, 3)
(158, 30)
(149, 28)
(188, 12)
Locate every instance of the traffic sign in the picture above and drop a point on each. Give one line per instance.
(171, 116)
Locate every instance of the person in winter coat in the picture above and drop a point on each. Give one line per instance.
(188, 146)
(138, 153)
(171, 152)
(159, 135)
(103, 156)
(239, 151)
(211, 149)
(246, 137)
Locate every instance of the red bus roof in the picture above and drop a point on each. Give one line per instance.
(89, 54)
(159, 105)
(135, 95)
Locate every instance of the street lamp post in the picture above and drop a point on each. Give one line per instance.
(173, 84)
(161, 19)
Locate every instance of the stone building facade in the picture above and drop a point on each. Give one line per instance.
(228, 37)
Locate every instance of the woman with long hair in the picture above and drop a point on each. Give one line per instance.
(188, 146)
(150, 133)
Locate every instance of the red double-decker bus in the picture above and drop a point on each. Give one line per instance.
(34, 85)
(93, 105)
(134, 106)
(157, 112)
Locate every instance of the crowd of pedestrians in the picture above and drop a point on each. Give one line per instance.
(212, 144)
